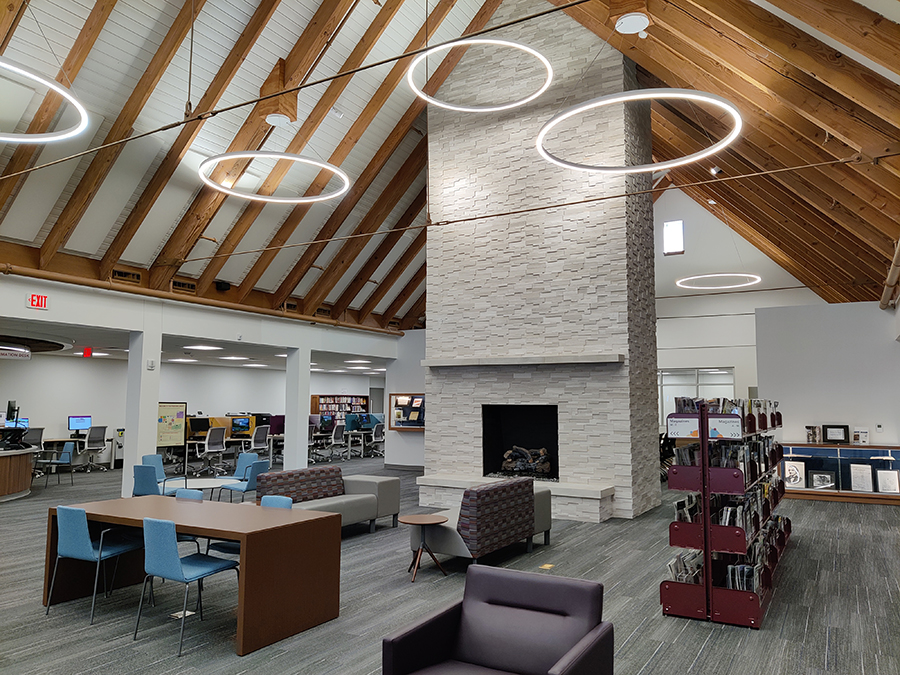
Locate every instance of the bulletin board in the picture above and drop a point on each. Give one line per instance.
(171, 425)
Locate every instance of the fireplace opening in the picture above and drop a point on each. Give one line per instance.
(520, 440)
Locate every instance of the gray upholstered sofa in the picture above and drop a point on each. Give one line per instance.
(322, 488)
(489, 517)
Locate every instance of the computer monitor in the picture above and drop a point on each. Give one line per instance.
(79, 422)
(11, 410)
(326, 423)
(365, 421)
(263, 419)
(240, 425)
(276, 424)
(21, 423)
(314, 420)
(199, 425)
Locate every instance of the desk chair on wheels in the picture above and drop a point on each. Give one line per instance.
(213, 446)
(337, 441)
(94, 443)
(378, 440)
(260, 441)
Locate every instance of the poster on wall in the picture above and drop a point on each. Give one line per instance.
(170, 424)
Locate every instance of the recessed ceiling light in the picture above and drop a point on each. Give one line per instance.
(203, 348)
(283, 356)
(337, 371)
(77, 353)
(711, 202)
(313, 364)
(234, 358)
(254, 365)
(358, 368)
(358, 361)
(632, 23)
(715, 171)
(100, 354)
(380, 370)
(182, 360)
(739, 279)
(317, 370)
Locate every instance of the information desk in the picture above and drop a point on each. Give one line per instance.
(15, 473)
(289, 566)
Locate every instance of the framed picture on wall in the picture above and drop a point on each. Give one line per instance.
(835, 433)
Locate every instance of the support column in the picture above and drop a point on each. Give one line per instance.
(296, 408)
(142, 394)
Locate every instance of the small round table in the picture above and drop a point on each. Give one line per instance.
(210, 484)
(422, 521)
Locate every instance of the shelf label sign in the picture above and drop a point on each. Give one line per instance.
(683, 426)
(724, 426)
(37, 301)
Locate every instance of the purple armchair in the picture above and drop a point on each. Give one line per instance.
(509, 622)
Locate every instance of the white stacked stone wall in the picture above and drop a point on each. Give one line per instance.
(570, 280)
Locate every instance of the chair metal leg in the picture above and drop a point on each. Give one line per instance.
(183, 615)
(141, 603)
(199, 607)
(94, 597)
(52, 581)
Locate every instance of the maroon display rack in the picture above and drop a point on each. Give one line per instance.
(710, 600)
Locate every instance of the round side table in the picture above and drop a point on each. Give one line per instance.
(422, 521)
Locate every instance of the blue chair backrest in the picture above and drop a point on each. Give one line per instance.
(278, 501)
(66, 455)
(186, 493)
(145, 481)
(255, 469)
(73, 537)
(161, 557)
(156, 462)
(245, 460)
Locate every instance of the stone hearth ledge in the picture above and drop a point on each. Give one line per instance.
(570, 501)
(522, 360)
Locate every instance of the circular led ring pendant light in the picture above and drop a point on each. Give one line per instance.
(643, 95)
(48, 137)
(750, 280)
(479, 41)
(269, 198)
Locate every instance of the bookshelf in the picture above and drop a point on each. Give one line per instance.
(732, 537)
(338, 405)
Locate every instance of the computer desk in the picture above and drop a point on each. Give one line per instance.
(289, 566)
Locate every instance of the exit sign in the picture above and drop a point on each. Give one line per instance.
(35, 301)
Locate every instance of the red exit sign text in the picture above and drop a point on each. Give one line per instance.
(35, 301)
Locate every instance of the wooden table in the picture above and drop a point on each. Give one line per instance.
(289, 566)
(423, 521)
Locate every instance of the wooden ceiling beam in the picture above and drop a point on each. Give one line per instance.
(411, 319)
(11, 13)
(186, 136)
(391, 277)
(397, 187)
(315, 118)
(46, 112)
(301, 61)
(415, 281)
(866, 88)
(387, 244)
(376, 102)
(807, 226)
(773, 76)
(850, 23)
(122, 128)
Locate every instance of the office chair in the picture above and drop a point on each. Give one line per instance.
(64, 459)
(156, 462)
(378, 440)
(337, 441)
(95, 442)
(161, 559)
(248, 485)
(260, 440)
(234, 547)
(35, 438)
(214, 446)
(74, 542)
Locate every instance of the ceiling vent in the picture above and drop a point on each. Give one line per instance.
(126, 277)
(290, 306)
(188, 287)
(323, 311)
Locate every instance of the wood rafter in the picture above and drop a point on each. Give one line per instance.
(10, 14)
(103, 161)
(415, 281)
(186, 136)
(412, 318)
(391, 277)
(251, 136)
(307, 129)
(387, 244)
(376, 102)
(401, 182)
(46, 112)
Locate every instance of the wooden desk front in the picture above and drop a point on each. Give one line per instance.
(290, 560)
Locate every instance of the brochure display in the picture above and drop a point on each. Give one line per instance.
(407, 412)
(838, 472)
(726, 522)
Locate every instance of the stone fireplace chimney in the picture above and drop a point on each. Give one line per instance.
(545, 307)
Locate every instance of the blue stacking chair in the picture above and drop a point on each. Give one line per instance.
(64, 459)
(234, 547)
(186, 493)
(145, 481)
(161, 559)
(249, 484)
(74, 541)
(156, 461)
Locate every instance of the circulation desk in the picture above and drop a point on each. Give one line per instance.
(289, 566)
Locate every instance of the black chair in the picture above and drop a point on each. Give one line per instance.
(509, 622)
(94, 444)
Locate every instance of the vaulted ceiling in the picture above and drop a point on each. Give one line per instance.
(134, 215)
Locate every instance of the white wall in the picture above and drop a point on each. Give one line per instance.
(220, 390)
(831, 364)
(406, 375)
